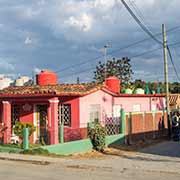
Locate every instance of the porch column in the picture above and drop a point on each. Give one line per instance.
(53, 121)
(7, 121)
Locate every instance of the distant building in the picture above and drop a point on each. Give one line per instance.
(23, 81)
(5, 82)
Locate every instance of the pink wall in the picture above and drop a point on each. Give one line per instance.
(106, 102)
(128, 102)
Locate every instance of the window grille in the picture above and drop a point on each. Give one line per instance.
(112, 126)
(15, 114)
(65, 114)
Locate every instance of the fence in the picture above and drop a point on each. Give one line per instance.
(130, 128)
(113, 127)
(134, 125)
(145, 125)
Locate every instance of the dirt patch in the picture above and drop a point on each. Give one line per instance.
(118, 150)
(97, 155)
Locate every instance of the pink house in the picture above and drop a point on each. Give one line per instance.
(48, 104)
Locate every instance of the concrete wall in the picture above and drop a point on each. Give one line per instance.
(81, 145)
(147, 125)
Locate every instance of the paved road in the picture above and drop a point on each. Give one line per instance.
(168, 148)
(134, 166)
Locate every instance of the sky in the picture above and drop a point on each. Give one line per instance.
(68, 36)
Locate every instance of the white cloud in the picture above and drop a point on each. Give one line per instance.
(83, 23)
(28, 40)
(5, 65)
(37, 70)
(54, 29)
(41, 2)
(152, 61)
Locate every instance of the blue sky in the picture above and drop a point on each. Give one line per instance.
(55, 34)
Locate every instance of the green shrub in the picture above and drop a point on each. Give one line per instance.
(98, 135)
(19, 126)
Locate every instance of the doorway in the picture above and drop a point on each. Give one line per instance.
(41, 124)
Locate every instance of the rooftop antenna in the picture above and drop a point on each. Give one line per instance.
(105, 60)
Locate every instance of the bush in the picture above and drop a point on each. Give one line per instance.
(19, 126)
(98, 135)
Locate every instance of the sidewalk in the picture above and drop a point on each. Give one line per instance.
(34, 159)
(137, 160)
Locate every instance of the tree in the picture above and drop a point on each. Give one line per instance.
(120, 68)
(138, 83)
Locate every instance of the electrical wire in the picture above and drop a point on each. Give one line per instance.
(142, 26)
(170, 55)
(112, 52)
(140, 23)
(137, 10)
(132, 57)
(149, 33)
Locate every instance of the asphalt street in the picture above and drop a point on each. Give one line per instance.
(140, 165)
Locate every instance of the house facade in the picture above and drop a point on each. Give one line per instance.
(48, 104)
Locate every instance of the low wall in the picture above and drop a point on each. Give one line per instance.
(74, 134)
(146, 125)
(81, 145)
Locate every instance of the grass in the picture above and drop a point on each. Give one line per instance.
(36, 151)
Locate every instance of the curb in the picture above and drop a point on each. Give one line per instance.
(37, 162)
(27, 161)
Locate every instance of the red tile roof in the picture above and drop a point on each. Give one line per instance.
(65, 90)
(60, 89)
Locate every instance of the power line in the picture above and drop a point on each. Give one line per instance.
(149, 33)
(112, 52)
(140, 23)
(135, 56)
(135, 7)
(170, 55)
(132, 57)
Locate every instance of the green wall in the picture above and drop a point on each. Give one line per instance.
(81, 145)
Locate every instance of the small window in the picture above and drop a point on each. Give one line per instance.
(65, 114)
(94, 113)
(116, 110)
(136, 107)
(153, 108)
(15, 114)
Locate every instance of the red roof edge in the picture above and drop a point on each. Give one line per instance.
(141, 95)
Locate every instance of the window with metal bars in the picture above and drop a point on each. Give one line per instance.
(15, 114)
(65, 114)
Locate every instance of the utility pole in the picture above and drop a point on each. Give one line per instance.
(105, 60)
(165, 52)
(78, 80)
